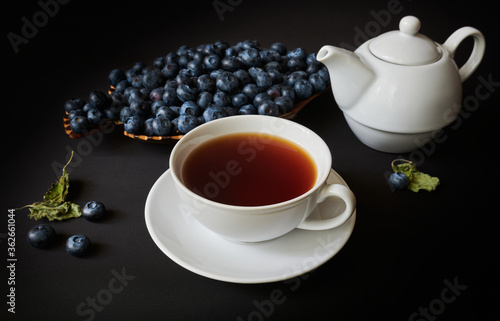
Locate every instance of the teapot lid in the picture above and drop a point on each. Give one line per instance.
(406, 46)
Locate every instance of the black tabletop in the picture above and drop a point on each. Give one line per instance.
(411, 256)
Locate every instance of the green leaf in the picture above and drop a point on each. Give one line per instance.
(54, 205)
(416, 179)
(52, 212)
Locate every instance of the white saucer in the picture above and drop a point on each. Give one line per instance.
(203, 252)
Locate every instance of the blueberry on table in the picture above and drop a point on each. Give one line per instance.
(77, 245)
(94, 211)
(398, 180)
(41, 235)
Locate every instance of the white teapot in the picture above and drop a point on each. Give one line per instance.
(399, 89)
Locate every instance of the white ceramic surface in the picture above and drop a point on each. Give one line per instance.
(192, 246)
(401, 82)
(261, 223)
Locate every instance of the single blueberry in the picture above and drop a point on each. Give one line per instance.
(311, 59)
(243, 77)
(274, 91)
(152, 79)
(279, 47)
(231, 63)
(80, 125)
(300, 53)
(136, 81)
(398, 180)
(162, 126)
(95, 116)
(77, 245)
(312, 68)
(204, 99)
(205, 83)
(157, 94)
(186, 123)
(93, 211)
(248, 109)
(170, 70)
(196, 67)
(273, 65)
(159, 63)
(121, 86)
(303, 89)
(190, 108)
(251, 90)
(295, 64)
(239, 100)
(170, 96)
(186, 93)
(269, 108)
(133, 124)
(221, 99)
(284, 103)
(214, 112)
(74, 103)
(211, 62)
(263, 79)
(317, 82)
(41, 236)
(116, 76)
(250, 57)
(140, 107)
(171, 58)
(125, 113)
(227, 83)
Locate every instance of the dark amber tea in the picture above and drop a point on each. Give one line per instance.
(249, 169)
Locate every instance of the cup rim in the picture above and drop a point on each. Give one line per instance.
(320, 180)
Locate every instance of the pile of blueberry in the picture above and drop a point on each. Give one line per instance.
(195, 85)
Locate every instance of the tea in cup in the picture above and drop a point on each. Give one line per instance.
(253, 178)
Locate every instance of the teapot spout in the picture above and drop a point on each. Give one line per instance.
(349, 76)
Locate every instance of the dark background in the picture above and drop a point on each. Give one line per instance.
(404, 248)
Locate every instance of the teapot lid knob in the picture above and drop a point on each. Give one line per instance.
(409, 25)
(405, 46)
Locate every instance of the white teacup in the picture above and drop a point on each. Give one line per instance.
(261, 223)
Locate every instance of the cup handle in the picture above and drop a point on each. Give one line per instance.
(451, 44)
(332, 190)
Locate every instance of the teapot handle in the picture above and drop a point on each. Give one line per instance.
(453, 41)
